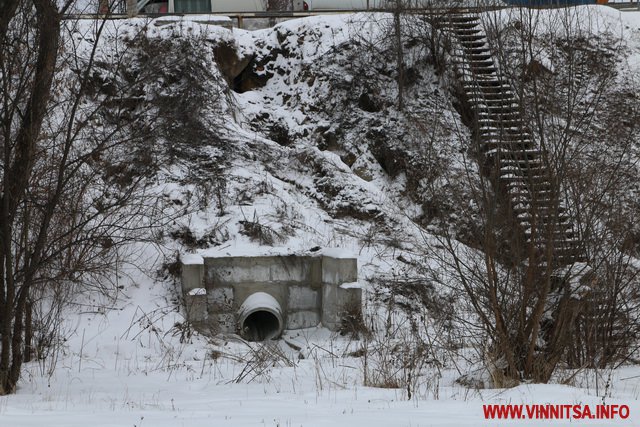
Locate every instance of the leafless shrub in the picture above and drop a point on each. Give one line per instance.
(352, 322)
(575, 88)
(261, 233)
(260, 359)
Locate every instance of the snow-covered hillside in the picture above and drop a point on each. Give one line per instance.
(285, 140)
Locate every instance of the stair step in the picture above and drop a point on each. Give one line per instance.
(530, 187)
(487, 131)
(538, 170)
(558, 252)
(519, 158)
(497, 111)
(524, 195)
(469, 31)
(546, 210)
(568, 255)
(531, 154)
(522, 164)
(484, 82)
(462, 19)
(482, 62)
(536, 195)
(466, 38)
(488, 112)
(488, 91)
(464, 56)
(461, 24)
(495, 106)
(505, 138)
(490, 148)
(562, 221)
(492, 96)
(568, 261)
(507, 99)
(485, 55)
(526, 179)
(478, 88)
(492, 82)
(544, 218)
(490, 128)
(501, 123)
(505, 119)
(508, 149)
(525, 199)
(483, 71)
(498, 108)
(568, 243)
(576, 255)
(474, 46)
(561, 239)
(485, 114)
(506, 153)
(469, 52)
(498, 136)
(483, 68)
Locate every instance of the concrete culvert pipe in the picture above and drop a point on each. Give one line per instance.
(260, 317)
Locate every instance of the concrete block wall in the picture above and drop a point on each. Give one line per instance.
(194, 293)
(310, 289)
(338, 294)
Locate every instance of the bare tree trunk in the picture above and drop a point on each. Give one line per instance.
(28, 332)
(397, 25)
(19, 159)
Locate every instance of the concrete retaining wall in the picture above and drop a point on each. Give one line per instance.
(311, 289)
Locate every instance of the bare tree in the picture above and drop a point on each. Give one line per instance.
(26, 93)
(536, 302)
(576, 90)
(75, 165)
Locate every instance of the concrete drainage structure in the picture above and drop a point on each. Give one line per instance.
(260, 296)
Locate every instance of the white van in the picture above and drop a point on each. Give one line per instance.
(238, 5)
(345, 4)
(365, 4)
(202, 6)
(286, 5)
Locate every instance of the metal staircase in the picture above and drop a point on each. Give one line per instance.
(518, 166)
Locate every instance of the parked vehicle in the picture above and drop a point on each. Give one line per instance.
(156, 7)
(285, 5)
(345, 4)
(202, 6)
(553, 2)
(219, 6)
(365, 4)
(237, 5)
(226, 6)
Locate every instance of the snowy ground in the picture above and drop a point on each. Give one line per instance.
(122, 371)
(126, 366)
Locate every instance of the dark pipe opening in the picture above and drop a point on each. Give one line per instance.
(261, 326)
